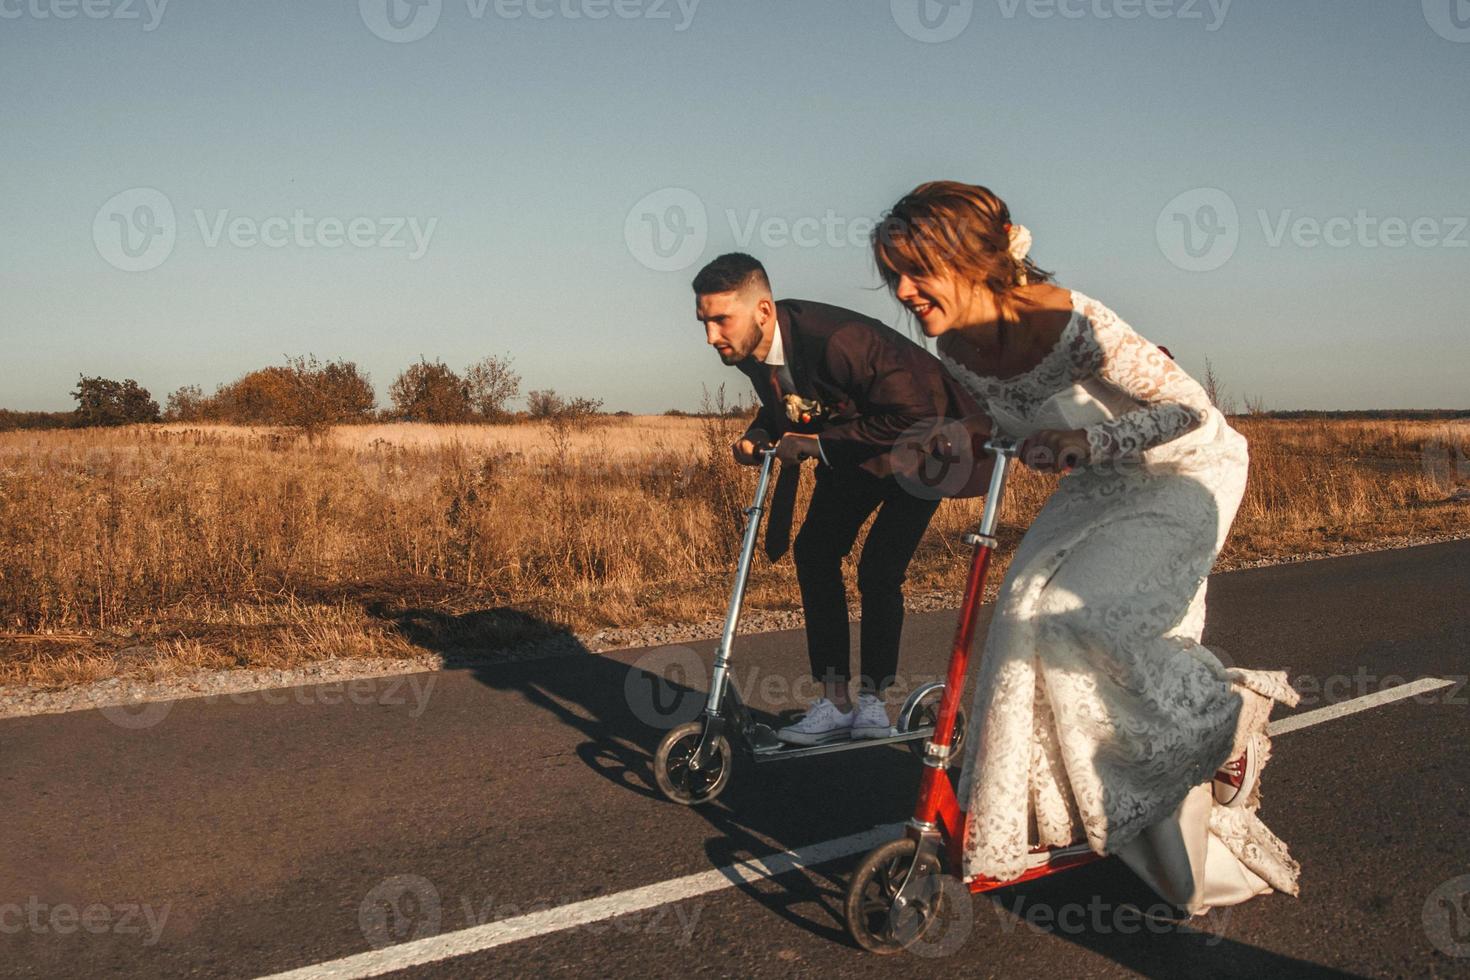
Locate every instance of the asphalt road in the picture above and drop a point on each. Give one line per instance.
(248, 835)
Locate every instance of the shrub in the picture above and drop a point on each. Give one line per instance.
(430, 392)
(102, 401)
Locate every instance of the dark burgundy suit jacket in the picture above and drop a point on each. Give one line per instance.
(875, 386)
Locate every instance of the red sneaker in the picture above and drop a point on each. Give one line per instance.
(1236, 778)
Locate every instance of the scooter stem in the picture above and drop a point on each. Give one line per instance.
(737, 594)
(937, 756)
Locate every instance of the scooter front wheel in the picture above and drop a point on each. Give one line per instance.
(681, 782)
(926, 715)
(875, 919)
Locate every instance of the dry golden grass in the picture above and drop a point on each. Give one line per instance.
(156, 549)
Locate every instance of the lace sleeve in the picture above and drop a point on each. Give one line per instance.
(1173, 403)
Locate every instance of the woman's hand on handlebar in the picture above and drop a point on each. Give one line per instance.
(1055, 450)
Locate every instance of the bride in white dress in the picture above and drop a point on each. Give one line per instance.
(1098, 714)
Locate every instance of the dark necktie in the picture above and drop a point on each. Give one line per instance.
(783, 500)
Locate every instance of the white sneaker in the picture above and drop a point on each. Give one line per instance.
(822, 723)
(870, 720)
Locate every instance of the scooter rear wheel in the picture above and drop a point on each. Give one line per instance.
(677, 780)
(874, 920)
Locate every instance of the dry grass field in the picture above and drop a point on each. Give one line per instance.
(166, 548)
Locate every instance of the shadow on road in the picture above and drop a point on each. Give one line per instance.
(777, 806)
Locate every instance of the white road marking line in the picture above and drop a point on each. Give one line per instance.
(477, 939)
(1343, 708)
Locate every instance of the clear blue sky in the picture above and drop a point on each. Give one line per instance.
(530, 139)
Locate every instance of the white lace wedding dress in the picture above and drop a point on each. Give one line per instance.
(1098, 714)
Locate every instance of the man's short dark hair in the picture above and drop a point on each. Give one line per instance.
(729, 272)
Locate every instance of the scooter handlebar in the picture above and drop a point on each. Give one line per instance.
(1003, 447)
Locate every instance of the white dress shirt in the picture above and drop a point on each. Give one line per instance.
(776, 358)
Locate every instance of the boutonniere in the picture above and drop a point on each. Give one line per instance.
(802, 410)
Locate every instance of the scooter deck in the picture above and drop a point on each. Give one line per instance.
(769, 751)
(1042, 863)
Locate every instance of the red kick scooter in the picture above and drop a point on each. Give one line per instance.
(895, 896)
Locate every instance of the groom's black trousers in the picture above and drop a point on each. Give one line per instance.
(842, 501)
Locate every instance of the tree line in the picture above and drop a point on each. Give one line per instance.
(307, 394)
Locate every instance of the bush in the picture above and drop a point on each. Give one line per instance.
(102, 401)
(36, 420)
(548, 404)
(544, 404)
(431, 392)
(491, 383)
(187, 404)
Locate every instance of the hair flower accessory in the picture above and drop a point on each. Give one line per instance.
(1020, 245)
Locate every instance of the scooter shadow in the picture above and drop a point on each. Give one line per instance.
(1108, 910)
(774, 807)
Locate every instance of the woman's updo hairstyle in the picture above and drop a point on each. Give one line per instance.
(964, 229)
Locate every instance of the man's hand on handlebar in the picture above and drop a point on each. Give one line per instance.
(795, 447)
(747, 451)
(1055, 450)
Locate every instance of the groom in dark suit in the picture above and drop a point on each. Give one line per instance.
(852, 393)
